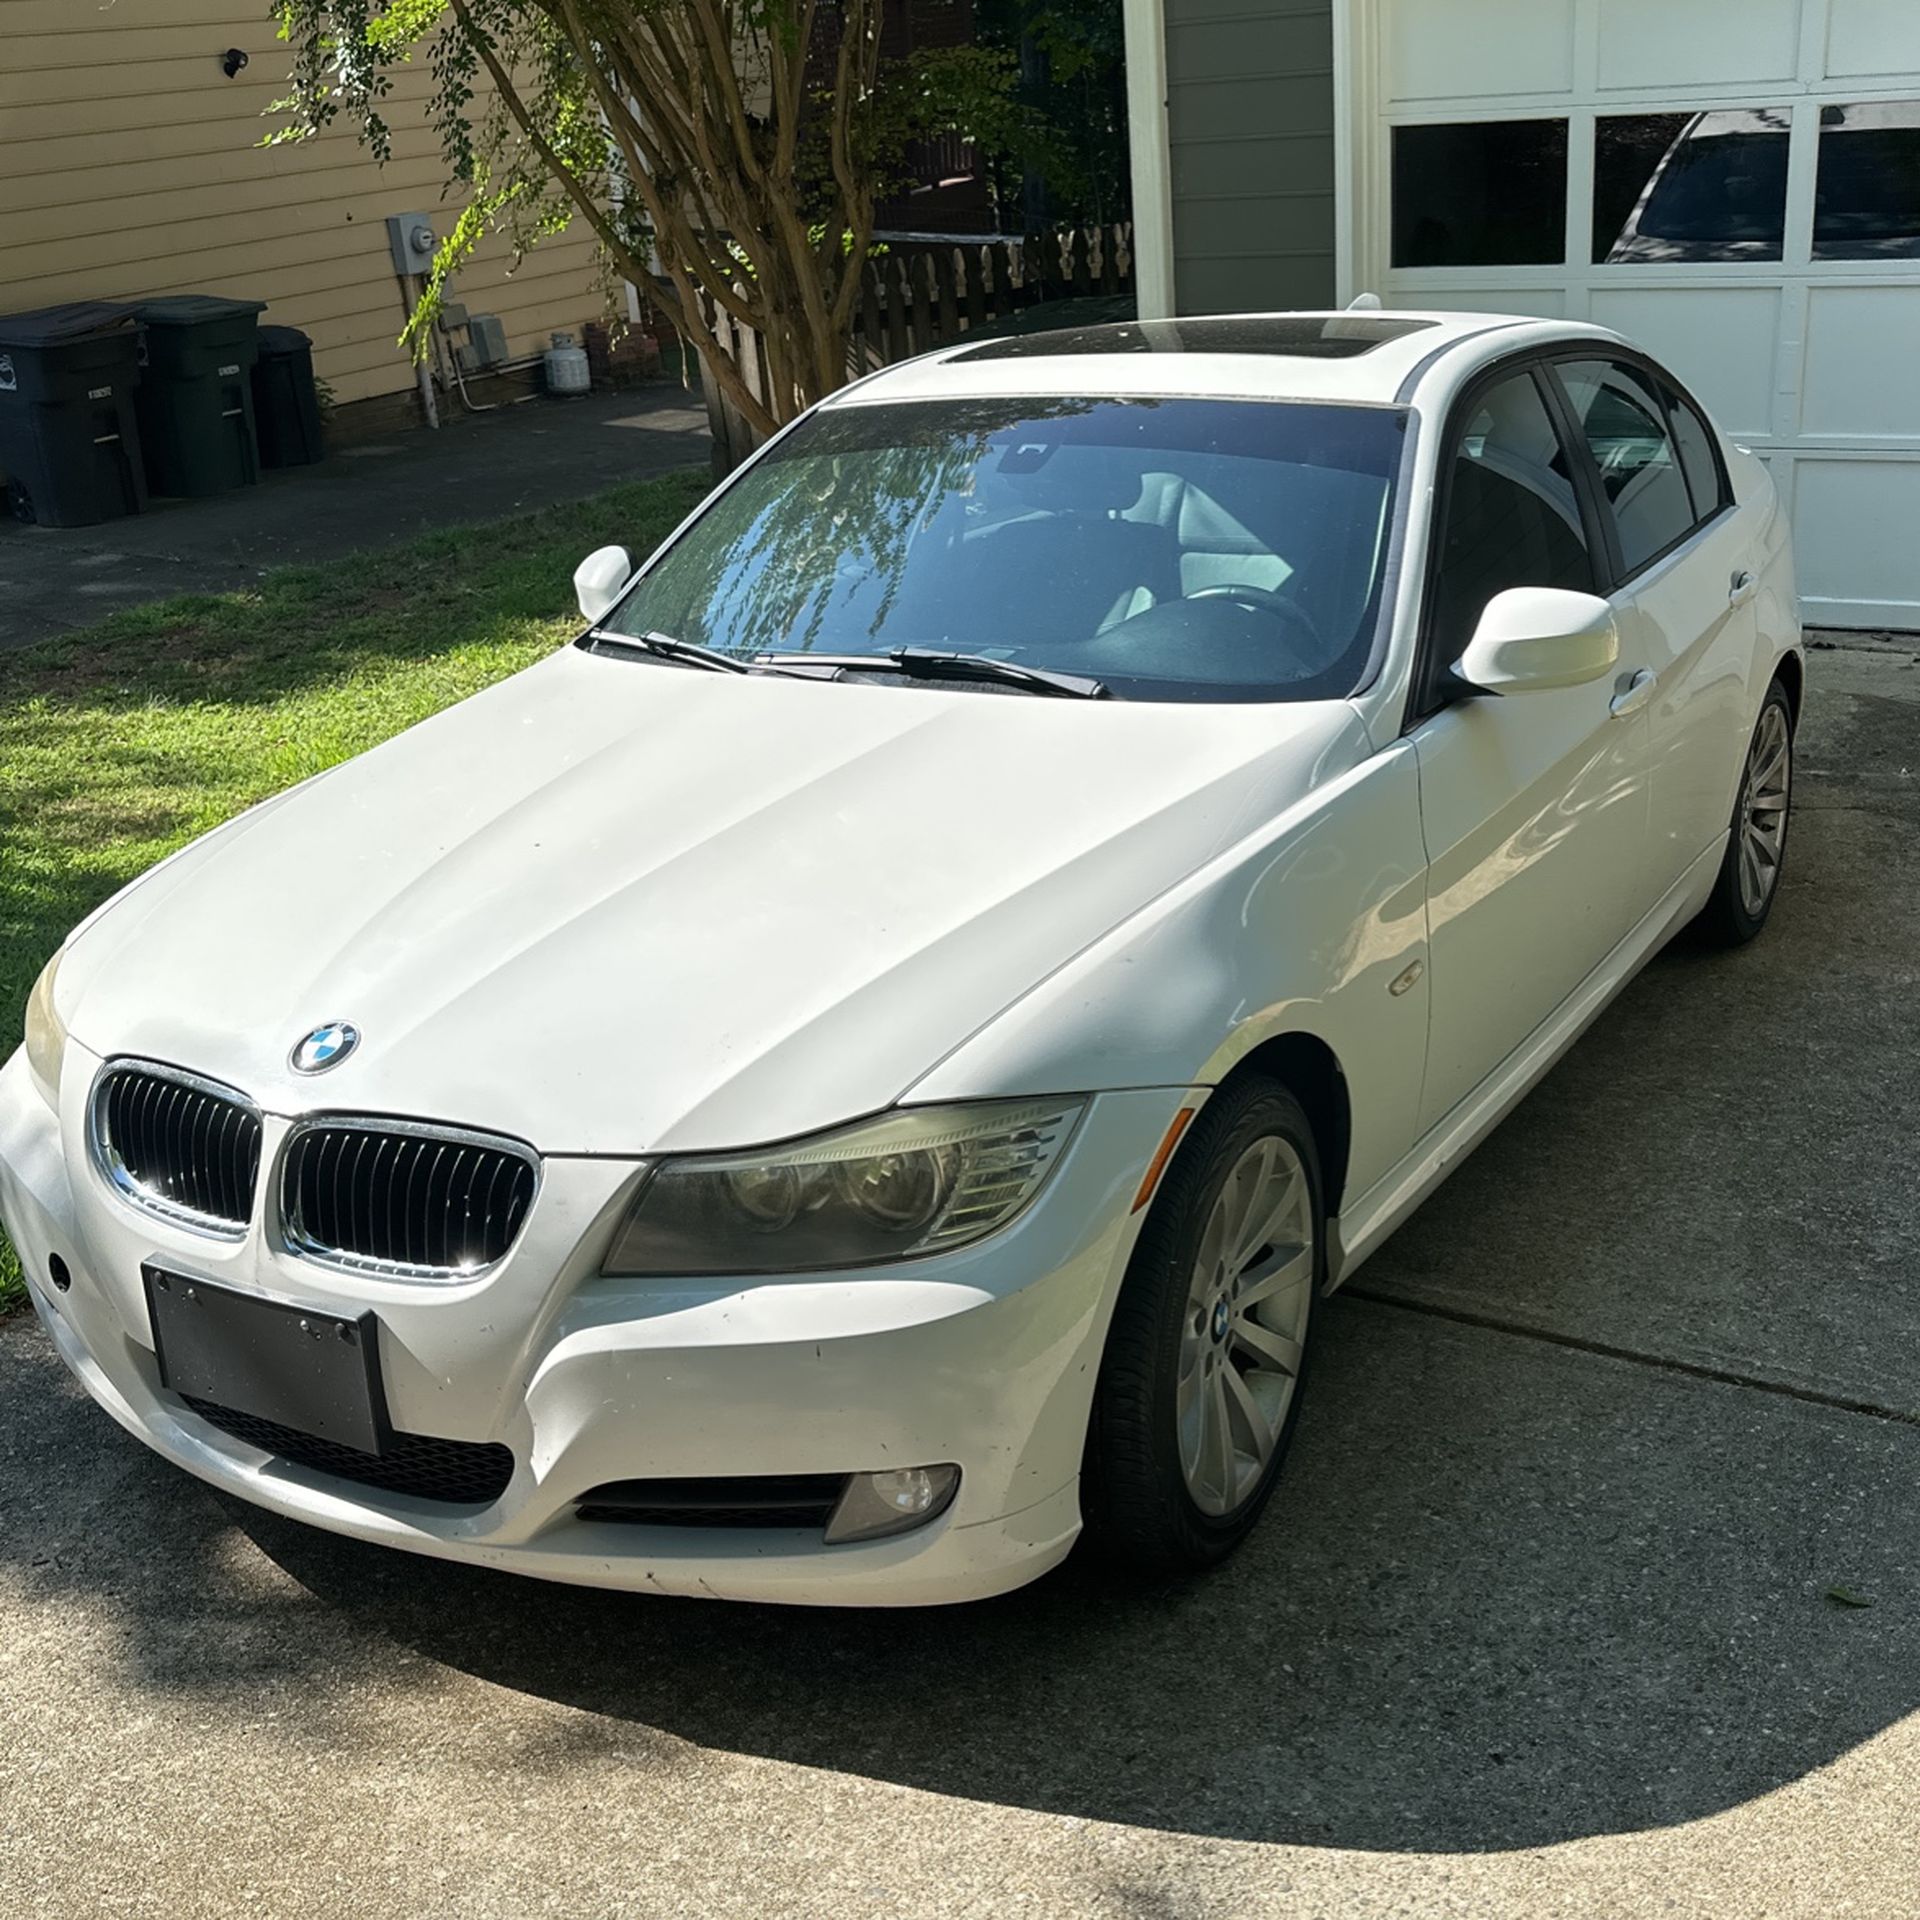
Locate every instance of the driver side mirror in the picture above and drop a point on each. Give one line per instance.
(599, 580)
(1533, 638)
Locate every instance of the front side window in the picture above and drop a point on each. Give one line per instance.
(1512, 518)
(1625, 425)
(1172, 549)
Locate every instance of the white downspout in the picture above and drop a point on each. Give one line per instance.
(1152, 161)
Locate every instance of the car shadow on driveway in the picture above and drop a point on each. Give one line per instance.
(1511, 1594)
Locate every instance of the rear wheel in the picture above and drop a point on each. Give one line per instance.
(1200, 1385)
(1749, 878)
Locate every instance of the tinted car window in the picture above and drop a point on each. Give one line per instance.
(1512, 517)
(1695, 440)
(1626, 428)
(1174, 549)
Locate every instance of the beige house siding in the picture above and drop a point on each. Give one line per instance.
(130, 166)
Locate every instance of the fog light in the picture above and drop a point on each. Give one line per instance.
(877, 1504)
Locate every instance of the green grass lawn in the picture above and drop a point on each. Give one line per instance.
(123, 742)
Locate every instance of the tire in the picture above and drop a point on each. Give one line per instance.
(1749, 881)
(1160, 1495)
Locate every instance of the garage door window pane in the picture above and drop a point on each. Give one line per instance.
(1487, 193)
(1512, 518)
(1867, 192)
(1690, 186)
(1640, 469)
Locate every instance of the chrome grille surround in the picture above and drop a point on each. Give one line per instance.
(176, 1145)
(398, 1199)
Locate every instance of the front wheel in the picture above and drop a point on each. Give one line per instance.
(1199, 1387)
(1749, 877)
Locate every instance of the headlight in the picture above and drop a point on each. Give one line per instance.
(922, 1180)
(46, 1037)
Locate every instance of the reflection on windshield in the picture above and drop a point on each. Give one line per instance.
(1173, 549)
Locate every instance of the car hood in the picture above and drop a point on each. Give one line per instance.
(619, 907)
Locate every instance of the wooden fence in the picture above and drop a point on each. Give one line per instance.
(918, 295)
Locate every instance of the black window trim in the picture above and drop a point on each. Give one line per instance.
(1431, 686)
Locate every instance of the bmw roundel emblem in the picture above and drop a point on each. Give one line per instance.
(325, 1047)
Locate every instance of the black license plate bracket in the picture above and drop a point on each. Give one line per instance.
(318, 1373)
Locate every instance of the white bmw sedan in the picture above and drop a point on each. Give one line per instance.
(859, 1069)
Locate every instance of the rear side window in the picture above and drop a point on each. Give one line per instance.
(1694, 438)
(1625, 424)
(1512, 517)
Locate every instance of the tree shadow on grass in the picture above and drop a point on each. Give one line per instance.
(306, 626)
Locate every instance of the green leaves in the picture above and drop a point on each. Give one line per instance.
(404, 24)
(1846, 1597)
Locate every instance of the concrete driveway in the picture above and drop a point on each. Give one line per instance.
(1538, 1626)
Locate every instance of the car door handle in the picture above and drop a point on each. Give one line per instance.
(1635, 694)
(1743, 587)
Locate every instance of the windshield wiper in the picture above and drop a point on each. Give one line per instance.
(926, 663)
(664, 646)
(929, 663)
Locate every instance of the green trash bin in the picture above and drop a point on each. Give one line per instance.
(286, 403)
(196, 394)
(69, 442)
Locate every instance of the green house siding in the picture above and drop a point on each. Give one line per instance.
(1250, 128)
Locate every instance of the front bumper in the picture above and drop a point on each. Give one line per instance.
(986, 1358)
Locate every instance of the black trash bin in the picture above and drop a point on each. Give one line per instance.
(69, 434)
(196, 393)
(286, 405)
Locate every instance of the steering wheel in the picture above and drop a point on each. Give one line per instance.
(1268, 600)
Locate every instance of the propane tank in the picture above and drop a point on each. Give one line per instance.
(566, 365)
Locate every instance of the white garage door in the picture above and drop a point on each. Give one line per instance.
(1734, 183)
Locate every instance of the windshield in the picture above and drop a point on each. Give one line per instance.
(1171, 549)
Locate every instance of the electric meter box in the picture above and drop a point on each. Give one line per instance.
(412, 238)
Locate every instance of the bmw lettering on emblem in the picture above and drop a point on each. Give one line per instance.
(325, 1047)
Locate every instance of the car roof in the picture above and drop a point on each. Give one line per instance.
(1309, 355)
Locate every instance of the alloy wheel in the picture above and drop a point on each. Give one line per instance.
(1762, 822)
(1245, 1327)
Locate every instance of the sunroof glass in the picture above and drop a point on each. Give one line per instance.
(1286, 336)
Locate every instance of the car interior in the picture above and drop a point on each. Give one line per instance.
(1192, 566)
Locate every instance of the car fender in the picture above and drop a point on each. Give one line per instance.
(1313, 923)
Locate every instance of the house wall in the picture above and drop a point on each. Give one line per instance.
(130, 166)
(1250, 130)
